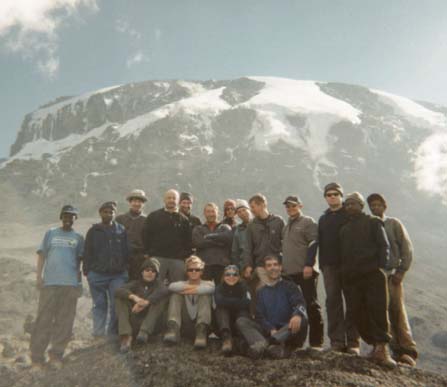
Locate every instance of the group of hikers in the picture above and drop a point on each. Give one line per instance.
(249, 278)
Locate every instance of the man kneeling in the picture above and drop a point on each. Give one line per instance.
(189, 310)
(140, 305)
(281, 316)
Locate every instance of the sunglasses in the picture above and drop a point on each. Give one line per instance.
(333, 194)
(231, 274)
(193, 270)
(150, 270)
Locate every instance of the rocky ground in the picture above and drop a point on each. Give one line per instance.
(161, 366)
(90, 365)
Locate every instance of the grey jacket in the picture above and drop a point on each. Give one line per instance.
(239, 244)
(213, 247)
(401, 248)
(263, 238)
(297, 237)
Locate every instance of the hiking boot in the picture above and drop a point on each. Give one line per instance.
(338, 347)
(408, 360)
(54, 361)
(227, 343)
(276, 351)
(142, 337)
(256, 351)
(37, 367)
(172, 334)
(370, 353)
(125, 342)
(201, 336)
(353, 351)
(382, 356)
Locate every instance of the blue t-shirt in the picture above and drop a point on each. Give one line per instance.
(61, 250)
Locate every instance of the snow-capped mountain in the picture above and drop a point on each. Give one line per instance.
(232, 138)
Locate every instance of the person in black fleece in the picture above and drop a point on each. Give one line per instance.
(232, 301)
(341, 328)
(140, 305)
(167, 237)
(365, 253)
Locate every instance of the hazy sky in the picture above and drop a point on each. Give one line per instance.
(50, 48)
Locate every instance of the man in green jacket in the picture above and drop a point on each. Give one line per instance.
(140, 305)
(401, 256)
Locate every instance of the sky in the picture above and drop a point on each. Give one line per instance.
(53, 48)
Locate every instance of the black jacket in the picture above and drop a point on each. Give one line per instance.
(364, 245)
(235, 298)
(329, 226)
(106, 249)
(193, 221)
(213, 247)
(167, 235)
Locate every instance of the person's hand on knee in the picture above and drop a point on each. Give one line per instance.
(295, 324)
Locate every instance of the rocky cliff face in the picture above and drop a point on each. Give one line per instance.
(223, 139)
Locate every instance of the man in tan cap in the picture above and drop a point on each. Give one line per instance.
(133, 222)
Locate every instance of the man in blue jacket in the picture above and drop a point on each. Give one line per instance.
(281, 316)
(105, 263)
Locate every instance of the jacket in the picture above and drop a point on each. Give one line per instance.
(239, 245)
(277, 304)
(364, 245)
(134, 228)
(263, 238)
(193, 221)
(213, 247)
(154, 291)
(329, 226)
(299, 244)
(235, 298)
(106, 249)
(167, 235)
(401, 248)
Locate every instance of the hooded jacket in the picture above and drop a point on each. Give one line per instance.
(154, 291)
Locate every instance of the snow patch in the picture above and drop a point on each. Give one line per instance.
(412, 111)
(37, 149)
(282, 98)
(41, 114)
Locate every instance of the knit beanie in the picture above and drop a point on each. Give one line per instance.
(186, 196)
(151, 263)
(241, 203)
(333, 187)
(357, 197)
